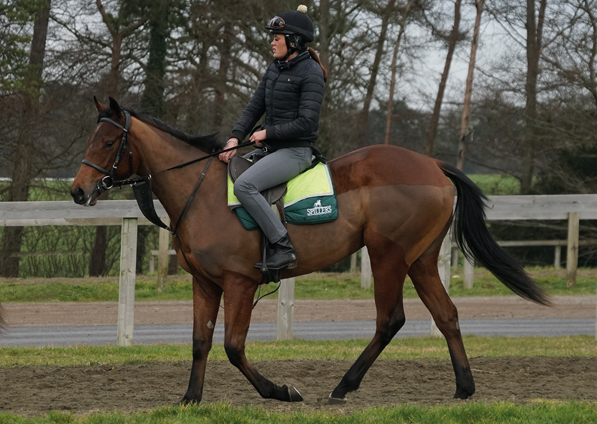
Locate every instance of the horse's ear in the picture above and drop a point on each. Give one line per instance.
(100, 107)
(115, 107)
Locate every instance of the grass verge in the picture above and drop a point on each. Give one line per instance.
(470, 412)
(409, 348)
(312, 286)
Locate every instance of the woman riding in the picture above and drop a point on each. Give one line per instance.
(290, 94)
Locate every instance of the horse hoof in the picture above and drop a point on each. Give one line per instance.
(336, 401)
(186, 401)
(293, 394)
(463, 394)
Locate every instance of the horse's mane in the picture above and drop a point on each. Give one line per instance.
(209, 143)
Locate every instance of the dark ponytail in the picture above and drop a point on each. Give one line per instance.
(316, 59)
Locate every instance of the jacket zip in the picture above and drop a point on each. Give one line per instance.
(271, 115)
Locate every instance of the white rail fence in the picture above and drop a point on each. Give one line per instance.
(125, 213)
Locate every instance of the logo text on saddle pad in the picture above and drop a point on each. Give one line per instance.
(319, 210)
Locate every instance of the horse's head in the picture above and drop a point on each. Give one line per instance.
(109, 155)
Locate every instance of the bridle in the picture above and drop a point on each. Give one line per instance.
(108, 182)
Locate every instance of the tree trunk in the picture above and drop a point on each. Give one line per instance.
(390, 107)
(23, 170)
(112, 85)
(152, 100)
(531, 130)
(364, 117)
(220, 84)
(442, 84)
(325, 141)
(466, 109)
(97, 262)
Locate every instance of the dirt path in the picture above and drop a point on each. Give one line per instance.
(105, 313)
(135, 387)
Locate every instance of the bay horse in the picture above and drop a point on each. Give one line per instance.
(396, 202)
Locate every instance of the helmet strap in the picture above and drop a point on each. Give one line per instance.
(294, 43)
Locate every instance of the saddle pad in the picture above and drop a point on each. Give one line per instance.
(310, 199)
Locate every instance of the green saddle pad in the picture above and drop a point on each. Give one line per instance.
(310, 199)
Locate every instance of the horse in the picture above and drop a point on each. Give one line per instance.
(397, 203)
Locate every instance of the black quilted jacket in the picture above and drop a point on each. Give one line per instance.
(290, 96)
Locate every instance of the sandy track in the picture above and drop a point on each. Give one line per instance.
(105, 313)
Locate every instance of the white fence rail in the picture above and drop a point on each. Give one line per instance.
(126, 214)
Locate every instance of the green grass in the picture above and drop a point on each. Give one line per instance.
(495, 184)
(409, 348)
(312, 286)
(542, 412)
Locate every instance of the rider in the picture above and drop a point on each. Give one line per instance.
(290, 94)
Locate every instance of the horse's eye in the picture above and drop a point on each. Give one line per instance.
(110, 143)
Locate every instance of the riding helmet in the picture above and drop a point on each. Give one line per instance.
(293, 22)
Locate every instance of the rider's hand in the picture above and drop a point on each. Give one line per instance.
(225, 156)
(258, 137)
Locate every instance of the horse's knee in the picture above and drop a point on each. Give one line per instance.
(447, 320)
(234, 353)
(388, 329)
(201, 348)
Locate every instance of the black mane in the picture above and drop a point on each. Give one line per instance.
(209, 143)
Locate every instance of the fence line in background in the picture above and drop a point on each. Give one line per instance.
(127, 214)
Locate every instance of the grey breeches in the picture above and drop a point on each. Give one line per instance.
(272, 169)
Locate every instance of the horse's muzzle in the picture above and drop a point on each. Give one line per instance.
(78, 195)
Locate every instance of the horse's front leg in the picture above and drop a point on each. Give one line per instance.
(206, 301)
(238, 306)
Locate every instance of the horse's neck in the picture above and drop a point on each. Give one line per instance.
(159, 151)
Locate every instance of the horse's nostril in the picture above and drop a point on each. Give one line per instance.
(78, 195)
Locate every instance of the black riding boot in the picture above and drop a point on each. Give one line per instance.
(281, 255)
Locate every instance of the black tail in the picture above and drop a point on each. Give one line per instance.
(474, 239)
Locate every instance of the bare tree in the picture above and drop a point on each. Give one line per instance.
(464, 123)
(531, 136)
(452, 40)
(386, 14)
(97, 263)
(26, 151)
(393, 68)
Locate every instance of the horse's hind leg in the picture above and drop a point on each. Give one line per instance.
(206, 301)
(425, 277)
(389, 271)
(238, 306)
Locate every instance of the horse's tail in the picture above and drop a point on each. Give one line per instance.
(474, 239)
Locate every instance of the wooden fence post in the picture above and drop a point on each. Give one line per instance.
(572, 250)
(557, 257)
(286, 309)
(443, 267)
(163, 258)
(126, 290)
(353, 263)
(455, 257)
(365, 269)
(468, 276)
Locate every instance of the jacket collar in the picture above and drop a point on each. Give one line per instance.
(287, 64)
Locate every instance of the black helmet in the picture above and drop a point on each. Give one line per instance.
(293, 22)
